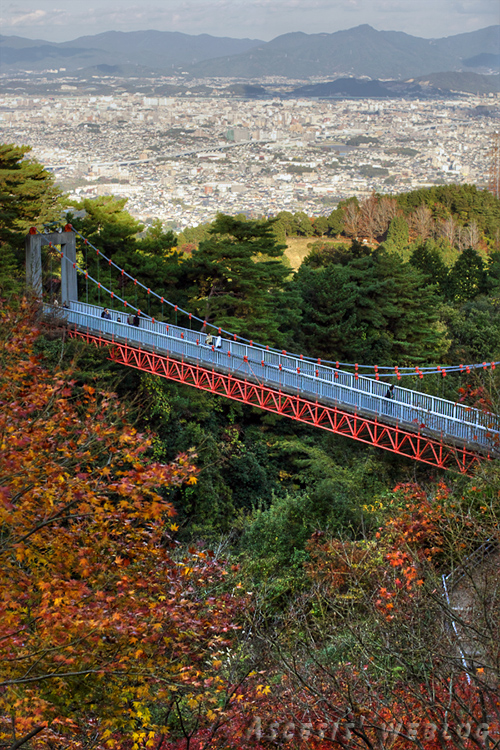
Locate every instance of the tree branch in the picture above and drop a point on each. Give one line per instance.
(27, 737)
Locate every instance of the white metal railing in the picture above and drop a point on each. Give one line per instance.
(470, 563)
(410, 409)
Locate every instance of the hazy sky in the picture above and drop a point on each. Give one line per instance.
(64, 20)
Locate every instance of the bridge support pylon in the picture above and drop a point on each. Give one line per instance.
(33, 245)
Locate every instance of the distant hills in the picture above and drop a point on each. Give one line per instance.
(471, 83)
(435, 84)
(358, 52)
(361, 51)
(125, 53)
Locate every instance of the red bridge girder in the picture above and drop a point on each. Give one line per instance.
(412, 445)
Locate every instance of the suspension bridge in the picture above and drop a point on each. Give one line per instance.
(436, 431)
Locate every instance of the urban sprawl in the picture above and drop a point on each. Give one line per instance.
(183, 159)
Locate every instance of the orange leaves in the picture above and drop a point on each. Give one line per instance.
(92, 603)
(385, 603)
(388, 570)
(417, 525)
(397, 558)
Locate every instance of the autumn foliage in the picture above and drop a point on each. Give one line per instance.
(107, 636)
(373, 655)
(111, 635)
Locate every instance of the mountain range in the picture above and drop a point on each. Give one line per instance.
(151, 51)
(360, 52)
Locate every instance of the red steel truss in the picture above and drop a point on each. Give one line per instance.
(412, 445)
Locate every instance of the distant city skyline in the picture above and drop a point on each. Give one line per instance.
(254, 19)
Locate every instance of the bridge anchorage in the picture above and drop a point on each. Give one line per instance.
(435, 431)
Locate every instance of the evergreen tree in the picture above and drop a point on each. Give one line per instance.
(320, 226)
(426, 256)
(11, 278)
(474, 329)
(494, 274)
(156, 241)
(324, 253)
(398, 233)
(283, 226)
(411, 312)
(193, 235)
(107, 224)
(28, 197)
(338, 317)
(113, 231)
(238, 278)
(157, 263)
(336, 221)
(468, 278)
(373, 309)
(303, 225)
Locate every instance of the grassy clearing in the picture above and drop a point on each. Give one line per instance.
(297, 249)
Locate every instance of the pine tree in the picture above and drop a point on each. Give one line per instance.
(107, 224)
(411, 312)
(371, 309)
(468, 278)
(426, 256)
(341, 317)
(238, 278)
(156, 241)
(112, 230)
(398, 233)
(28, 196)
(11, 280)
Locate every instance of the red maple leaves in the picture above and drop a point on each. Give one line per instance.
(104, 633)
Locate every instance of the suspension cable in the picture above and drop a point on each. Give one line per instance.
(385, 371)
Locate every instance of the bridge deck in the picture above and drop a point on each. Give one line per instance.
(444, 420)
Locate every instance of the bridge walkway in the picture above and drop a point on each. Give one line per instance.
(446, 421)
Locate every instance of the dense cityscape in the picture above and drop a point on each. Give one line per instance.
(183, 159)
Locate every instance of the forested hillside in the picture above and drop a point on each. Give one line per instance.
(180, 571)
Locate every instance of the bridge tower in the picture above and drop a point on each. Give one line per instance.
(33, 245)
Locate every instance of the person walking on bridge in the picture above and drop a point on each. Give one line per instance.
(388, 408)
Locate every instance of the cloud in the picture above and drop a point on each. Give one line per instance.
(29, 18)
(16, 17)
(173, 13)
(264, 19)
